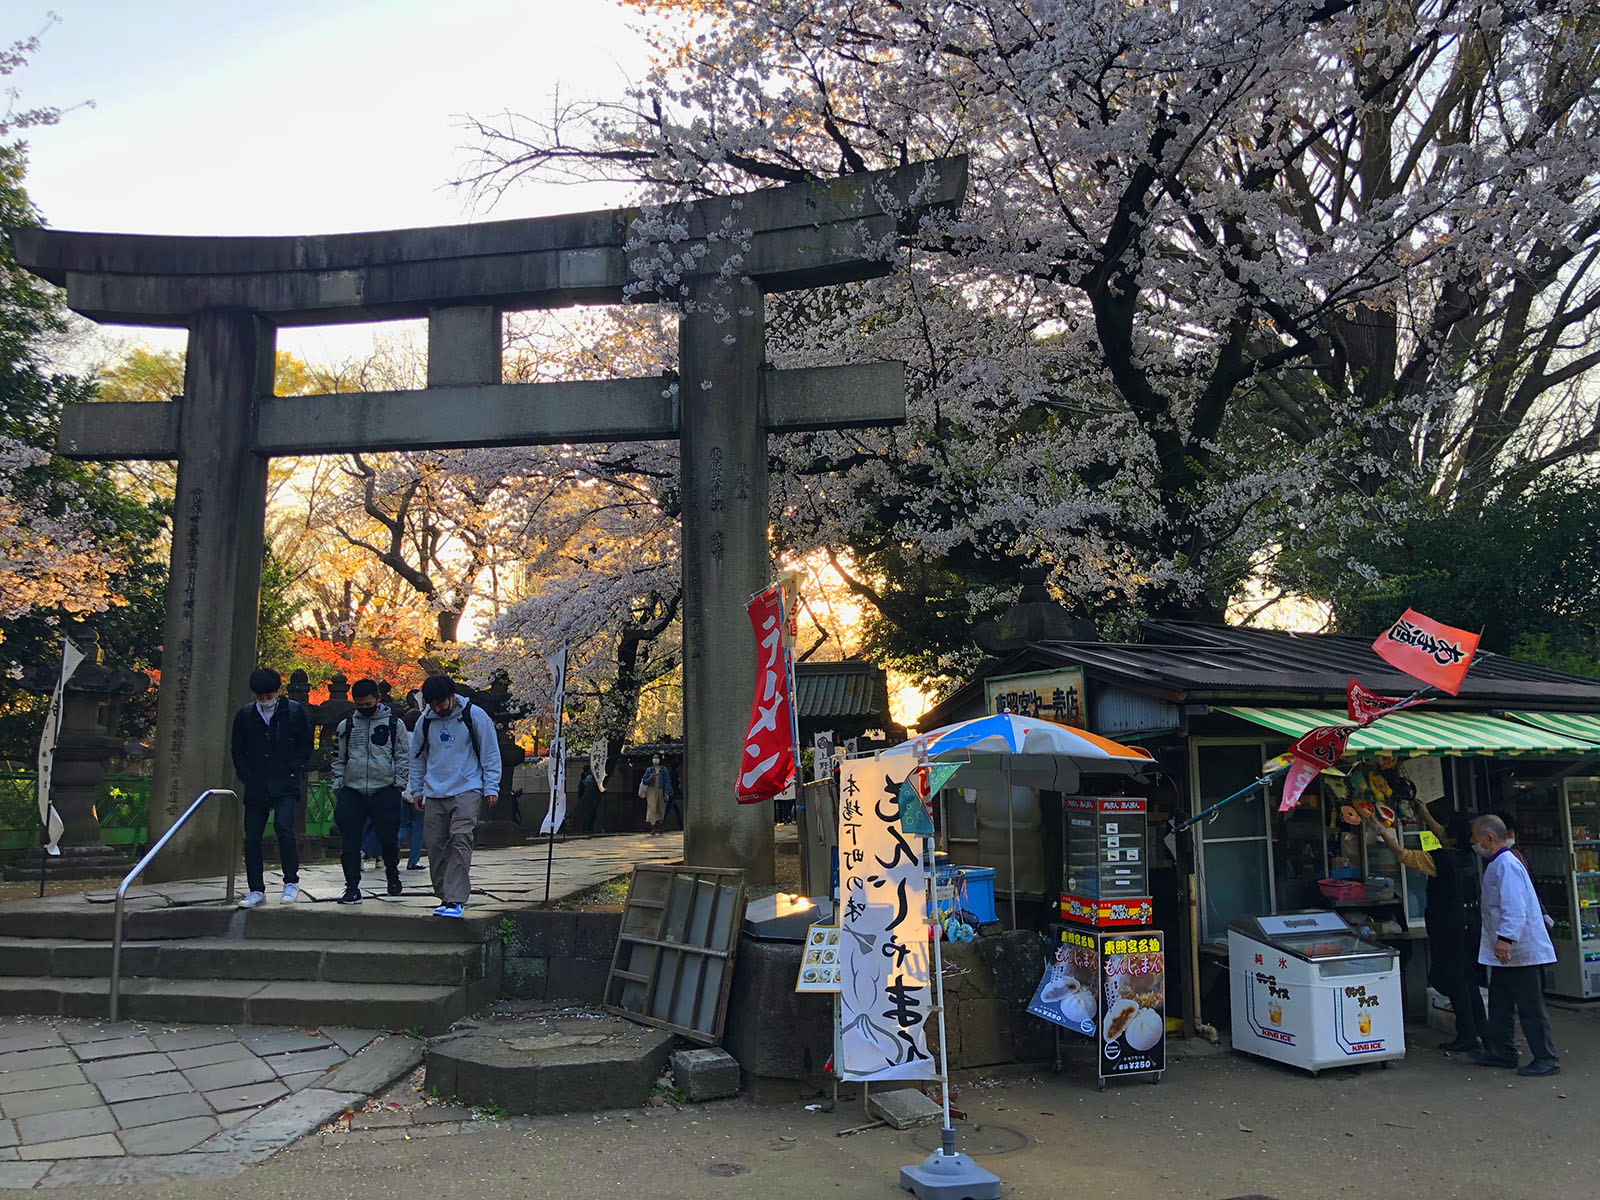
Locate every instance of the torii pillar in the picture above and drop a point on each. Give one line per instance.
(232, 294)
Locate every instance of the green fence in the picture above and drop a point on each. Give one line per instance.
(122, 803)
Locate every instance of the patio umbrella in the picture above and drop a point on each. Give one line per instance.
(1033, 752)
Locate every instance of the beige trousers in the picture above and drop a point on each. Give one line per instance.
(447, 825)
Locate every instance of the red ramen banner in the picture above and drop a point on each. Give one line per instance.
(1426, 650)
(767, 765)
(1366, 706)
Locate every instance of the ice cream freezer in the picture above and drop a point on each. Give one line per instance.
(1308, 992)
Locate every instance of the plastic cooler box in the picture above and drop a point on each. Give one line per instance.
(967, 888)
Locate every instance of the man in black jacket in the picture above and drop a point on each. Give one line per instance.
(271, 744)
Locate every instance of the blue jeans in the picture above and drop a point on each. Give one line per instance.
(411, 820)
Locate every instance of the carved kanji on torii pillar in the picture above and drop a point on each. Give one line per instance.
(233, 293)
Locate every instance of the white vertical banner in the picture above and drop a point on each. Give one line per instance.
(71, 657)
(556, 766)
(885, 993)
(597, 761)
(822, 756)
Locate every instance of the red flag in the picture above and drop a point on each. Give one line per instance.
(767, 766)
(1300, 775)
(1426, 650)
(1323, 745)
(1366, 706)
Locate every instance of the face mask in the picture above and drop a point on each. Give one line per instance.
(366, 710)
(267, 706)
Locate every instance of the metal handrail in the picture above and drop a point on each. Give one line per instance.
(122, 888)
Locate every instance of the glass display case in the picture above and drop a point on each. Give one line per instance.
(1560, 839)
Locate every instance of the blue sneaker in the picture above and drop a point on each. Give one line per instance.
(447, 910)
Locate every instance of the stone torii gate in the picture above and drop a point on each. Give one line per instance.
(233, 292)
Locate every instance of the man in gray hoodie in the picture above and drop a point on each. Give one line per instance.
(370, 770)
(455, 764)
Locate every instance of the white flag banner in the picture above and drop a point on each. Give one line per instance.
(822, 755)
(850, 748)
(556, 772)
(556, 766)
(71, 656)
(885, 994)
(597, 762)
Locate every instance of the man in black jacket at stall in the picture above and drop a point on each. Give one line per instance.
(271, 744)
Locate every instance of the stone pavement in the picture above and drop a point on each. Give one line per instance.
(502, 879)
(85, 1102)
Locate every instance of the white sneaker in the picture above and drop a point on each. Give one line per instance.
(251, 899)
(291, 893)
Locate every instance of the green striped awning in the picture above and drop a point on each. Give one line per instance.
(1422, 731)
(1583, 728)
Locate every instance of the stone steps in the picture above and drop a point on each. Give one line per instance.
(454, 964)
(378, 966)
(374, 922)
(306, 1003)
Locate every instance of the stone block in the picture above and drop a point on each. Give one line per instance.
(904, 1108)
(49, 1100)
(229, 1074)
(135, 1114)
(980, 1032)
(524, 978)
(579, 979)
(377, 1066)
(122, 1068)
(772, 1030)
(100, 1145)
(547, 1067)
(250, 1096)
(709, 1073)
(282, 1123)
(597, 936)
(144, 1087)
(76, 1123)
(543, 935)
(170, 1137)
(40, 1079)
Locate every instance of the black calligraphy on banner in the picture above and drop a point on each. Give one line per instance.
(886, 993)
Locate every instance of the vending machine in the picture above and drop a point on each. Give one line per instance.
(1105, 867)
(1308, 992)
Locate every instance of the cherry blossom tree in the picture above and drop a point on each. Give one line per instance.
(1235, 286)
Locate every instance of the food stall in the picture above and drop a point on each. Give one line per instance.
(1308, 992)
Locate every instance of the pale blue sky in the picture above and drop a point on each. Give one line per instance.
(294, 116)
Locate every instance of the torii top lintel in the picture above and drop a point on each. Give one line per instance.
(800, 235)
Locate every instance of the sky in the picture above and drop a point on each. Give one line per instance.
(297, 117)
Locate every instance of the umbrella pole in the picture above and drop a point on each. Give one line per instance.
(1011, 842)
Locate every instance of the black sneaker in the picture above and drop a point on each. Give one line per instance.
(1484, 1059)
(394, 886)
(351, 896)
(1463, 1045)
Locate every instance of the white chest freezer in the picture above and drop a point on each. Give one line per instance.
(1308, 992)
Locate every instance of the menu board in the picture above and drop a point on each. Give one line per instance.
(820, 968)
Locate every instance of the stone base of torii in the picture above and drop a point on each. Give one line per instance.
(232, 293)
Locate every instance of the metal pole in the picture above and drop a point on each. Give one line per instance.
(947, 1139)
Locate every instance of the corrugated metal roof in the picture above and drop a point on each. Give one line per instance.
(1189, 662)
(840, 690)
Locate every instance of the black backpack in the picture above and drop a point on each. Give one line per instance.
(472, 732)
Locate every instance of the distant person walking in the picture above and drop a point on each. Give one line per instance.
(654, 787)
(589, 796)
(370, 772)
(455, 765)
(1515, 947)
(270, 745)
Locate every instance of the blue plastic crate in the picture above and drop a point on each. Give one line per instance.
(970, 889)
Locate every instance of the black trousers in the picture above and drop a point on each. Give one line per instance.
(1518, 992)
(1457, 977)
(351, 812)
(281, 809)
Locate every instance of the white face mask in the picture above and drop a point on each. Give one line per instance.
(267, 706)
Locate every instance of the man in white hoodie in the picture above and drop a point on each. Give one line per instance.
(1515, 947)
(455, 764)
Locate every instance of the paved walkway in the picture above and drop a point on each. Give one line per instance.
(513, 877)
(87, 1102)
